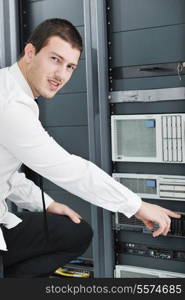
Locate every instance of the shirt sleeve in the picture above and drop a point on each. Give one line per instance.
(26, 194)
(23, 135)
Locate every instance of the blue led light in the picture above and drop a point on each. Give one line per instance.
(151, 183)
(150, 123)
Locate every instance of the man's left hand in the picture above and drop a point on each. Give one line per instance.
(61, 209)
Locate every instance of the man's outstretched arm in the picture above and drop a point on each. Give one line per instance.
(22, 133)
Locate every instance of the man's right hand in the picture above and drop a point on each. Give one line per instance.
(149, 213)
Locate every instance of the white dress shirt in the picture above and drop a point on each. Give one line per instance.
(24, 140)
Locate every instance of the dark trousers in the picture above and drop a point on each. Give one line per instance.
(31, 255)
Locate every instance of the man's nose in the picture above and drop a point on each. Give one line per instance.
(60, 74)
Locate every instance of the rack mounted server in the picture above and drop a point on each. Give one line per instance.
(157, 138)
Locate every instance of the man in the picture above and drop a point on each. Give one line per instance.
(50, 56)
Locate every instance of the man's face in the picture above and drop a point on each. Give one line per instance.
(52, 67)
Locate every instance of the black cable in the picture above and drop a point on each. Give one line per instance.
(43, 202)
(44, 209)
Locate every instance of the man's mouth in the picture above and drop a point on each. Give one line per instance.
(53, 84)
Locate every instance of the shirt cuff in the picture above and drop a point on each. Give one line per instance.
(132, 206)
(48, 200)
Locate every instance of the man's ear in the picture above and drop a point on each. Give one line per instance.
(29, 52)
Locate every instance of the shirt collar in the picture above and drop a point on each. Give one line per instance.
(18, 76)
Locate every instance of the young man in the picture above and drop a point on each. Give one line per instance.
(49, 59)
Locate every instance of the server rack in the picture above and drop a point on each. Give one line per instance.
(146, 54)
(65, 118)
(9, 40)
(81, 97)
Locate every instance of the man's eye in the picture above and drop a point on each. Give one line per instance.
(71, 67)
(54, 58)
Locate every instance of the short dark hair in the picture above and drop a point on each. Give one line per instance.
(54, 27)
